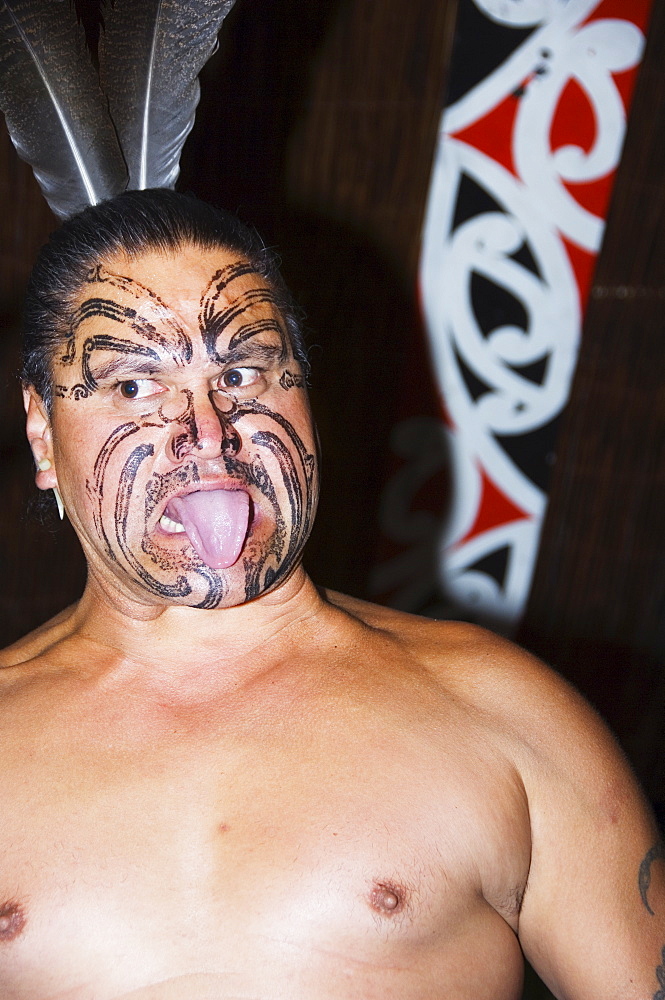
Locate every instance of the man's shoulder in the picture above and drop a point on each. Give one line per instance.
(446, 646)
(32, 647)
(490, 674)
(410, 628)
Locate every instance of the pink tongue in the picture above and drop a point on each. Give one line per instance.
(216, 523)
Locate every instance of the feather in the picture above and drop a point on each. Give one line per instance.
(150, 56)
(55, 112)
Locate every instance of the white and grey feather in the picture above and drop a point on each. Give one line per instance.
(54, 107)
(89, 136)
(150, 56)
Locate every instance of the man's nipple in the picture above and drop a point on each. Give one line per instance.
(12, 920)
(386, 898)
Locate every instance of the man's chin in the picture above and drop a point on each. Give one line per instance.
(174, 575)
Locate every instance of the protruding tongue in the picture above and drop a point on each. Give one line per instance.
(216, 523)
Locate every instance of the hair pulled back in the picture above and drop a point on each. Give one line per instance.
(134, 223)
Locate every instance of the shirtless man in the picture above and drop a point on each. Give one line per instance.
(219, 782)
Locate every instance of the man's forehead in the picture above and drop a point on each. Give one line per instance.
(179, 282)
(177, 305)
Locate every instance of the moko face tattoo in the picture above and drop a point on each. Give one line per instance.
(182, 434)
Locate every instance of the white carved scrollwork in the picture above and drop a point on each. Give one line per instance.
(486, 373)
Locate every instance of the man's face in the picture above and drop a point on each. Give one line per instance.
(182, 436)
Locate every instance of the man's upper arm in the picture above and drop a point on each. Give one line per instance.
(593, 916)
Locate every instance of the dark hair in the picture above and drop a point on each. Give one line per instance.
(132, 223)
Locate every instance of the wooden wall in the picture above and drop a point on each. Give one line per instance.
(597, 607)
(41, 570)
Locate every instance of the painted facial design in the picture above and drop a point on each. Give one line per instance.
(182, 434)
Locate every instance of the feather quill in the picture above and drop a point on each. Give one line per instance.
(55, 111)
(150, 56)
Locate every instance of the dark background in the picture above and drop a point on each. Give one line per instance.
(318, 124)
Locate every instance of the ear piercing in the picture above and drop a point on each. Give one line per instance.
(44, 466)
(58, 500)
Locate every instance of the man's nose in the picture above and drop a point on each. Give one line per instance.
(204, 429)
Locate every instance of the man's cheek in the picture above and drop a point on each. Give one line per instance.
(103, 481)
(122, 524)
(290, 483)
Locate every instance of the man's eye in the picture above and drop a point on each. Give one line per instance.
(238, 378)
(137, 388)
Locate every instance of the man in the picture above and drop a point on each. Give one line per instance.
(220, 782)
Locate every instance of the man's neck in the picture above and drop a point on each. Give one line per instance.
(176, 643)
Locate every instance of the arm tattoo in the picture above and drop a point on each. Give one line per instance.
(660, 975)
(656, 853)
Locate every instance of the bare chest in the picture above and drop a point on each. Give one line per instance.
(361, 854)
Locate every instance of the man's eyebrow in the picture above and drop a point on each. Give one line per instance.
(125, 365)
(251, 351)
(134, 364)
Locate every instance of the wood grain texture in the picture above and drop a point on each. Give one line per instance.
(597, 608)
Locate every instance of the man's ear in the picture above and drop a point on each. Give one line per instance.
(38, 430)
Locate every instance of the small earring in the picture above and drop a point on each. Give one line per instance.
(58, 500)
